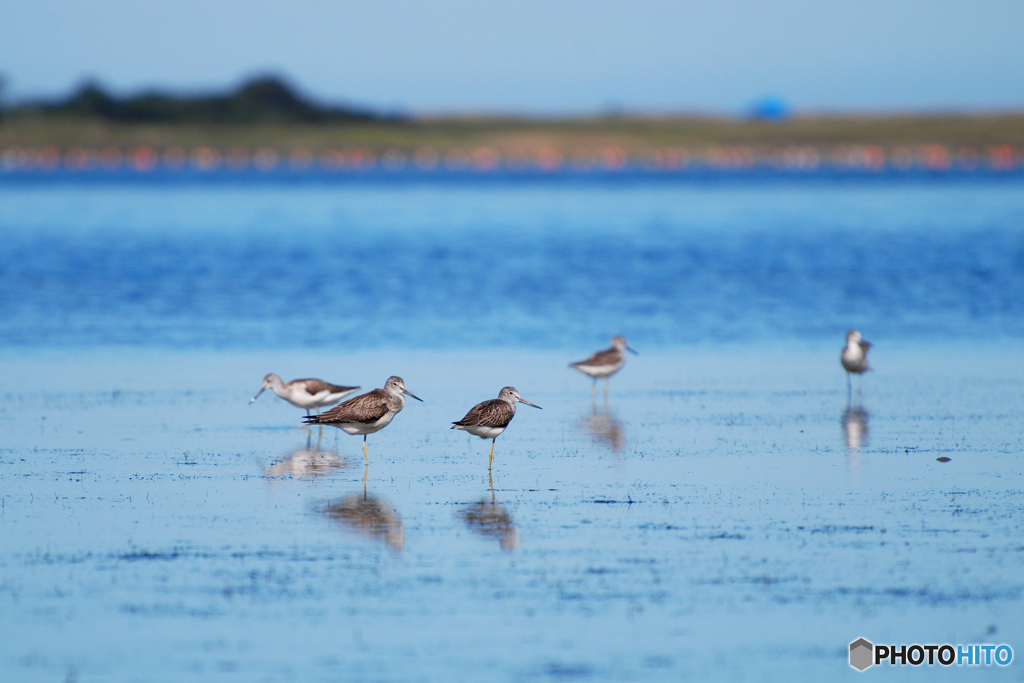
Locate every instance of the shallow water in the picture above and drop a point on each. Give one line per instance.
(726, 513)
(709, 519)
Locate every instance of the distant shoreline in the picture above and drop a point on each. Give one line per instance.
(871, 143)
(265, 122)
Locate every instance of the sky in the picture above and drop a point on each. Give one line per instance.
(534, 56)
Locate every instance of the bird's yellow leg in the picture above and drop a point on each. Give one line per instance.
(365, 456)
(491, 460)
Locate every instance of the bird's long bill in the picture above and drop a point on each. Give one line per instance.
(412, 395)
(632, 351)
(522, 400)
(257, 395)
(865, 344)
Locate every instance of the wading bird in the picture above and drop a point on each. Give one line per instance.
(490, 418)
(305, 393)
(604, 364)
(368, 413)
(855, 360)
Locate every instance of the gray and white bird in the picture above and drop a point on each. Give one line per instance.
(854, 359)
(368, 413)
(305, 393)
(490, 418)
(604, 364)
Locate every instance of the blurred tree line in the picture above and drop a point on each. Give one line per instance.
(261, 100)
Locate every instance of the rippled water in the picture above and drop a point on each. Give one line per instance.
(722, 515)
(728, 512)
(521, 264)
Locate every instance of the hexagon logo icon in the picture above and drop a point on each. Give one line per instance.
(861, 654)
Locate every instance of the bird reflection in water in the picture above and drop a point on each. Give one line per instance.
(603, 427)
(308, 462)
(491, 519)
(368, 516)
(855, 428)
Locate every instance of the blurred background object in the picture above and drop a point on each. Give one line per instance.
(853, 86)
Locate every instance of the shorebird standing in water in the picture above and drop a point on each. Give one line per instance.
(490, 418)
(855, 360)
(604, 364)
(305, 393)
(368, 413)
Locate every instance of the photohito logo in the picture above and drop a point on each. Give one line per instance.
(863, 654)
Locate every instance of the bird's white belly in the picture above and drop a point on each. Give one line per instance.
(367, 427)
(482, 431)
(299, 398)
(854, 360)
(600, 371)
(326, 398)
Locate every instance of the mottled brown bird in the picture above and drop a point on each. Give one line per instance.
(490, 418)
(604, 364)
(368, 413)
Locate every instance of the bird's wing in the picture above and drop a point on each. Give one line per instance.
(492, 413)
(315, 386)
(606, 357)
(369, 407)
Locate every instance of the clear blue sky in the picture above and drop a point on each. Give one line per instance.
(540, 56)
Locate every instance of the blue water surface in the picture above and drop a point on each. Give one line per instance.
(731, 509)
(539, 265)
